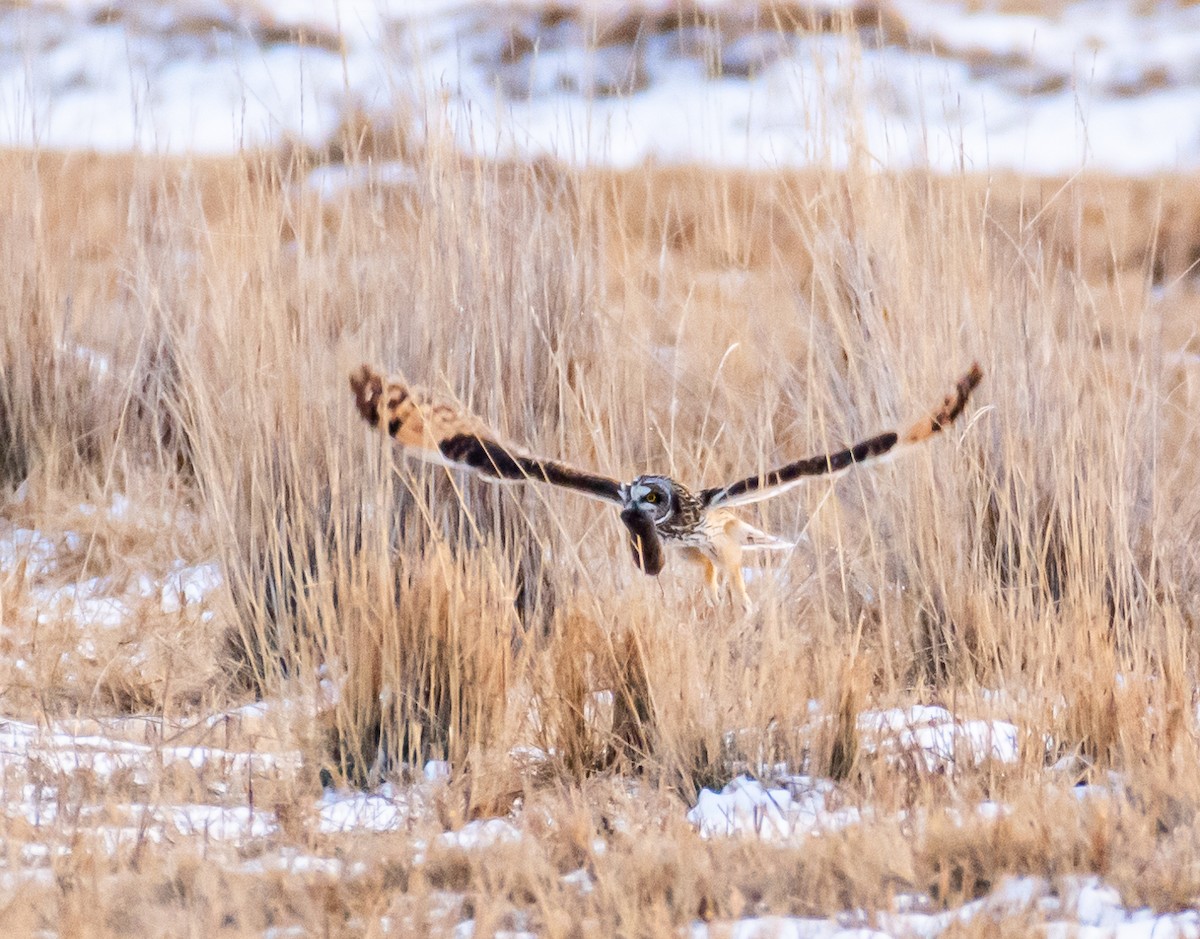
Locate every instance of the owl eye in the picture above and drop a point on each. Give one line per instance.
(652, 498)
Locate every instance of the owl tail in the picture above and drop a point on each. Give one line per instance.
(752, 538)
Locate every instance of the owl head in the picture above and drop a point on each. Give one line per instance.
(653, 496)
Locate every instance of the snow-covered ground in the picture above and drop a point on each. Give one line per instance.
(97, 783)
(799, 807)
(928, 739)
(1110, 84)
(1086, 907)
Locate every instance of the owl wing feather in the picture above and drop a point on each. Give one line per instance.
(776, 481)
(437, 432)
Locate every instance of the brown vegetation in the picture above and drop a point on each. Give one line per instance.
(1036, 565)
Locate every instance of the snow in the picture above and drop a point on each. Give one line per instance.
(44, 764)
(56, 758)
(55, 754)
(745, 807)
(187, 584)
(1109, 42)
(436, 771)
(96, 603)
(482, 833)
(215, 822)
(63, 752)
(341, 812)
(1082, 906)
(389, 809)
(37, 552)
(799, 807)
(293, 862)
(332, 182)
(929, 737)
(466, 930)
(935, 736)
(87, 612)
(1109, 84)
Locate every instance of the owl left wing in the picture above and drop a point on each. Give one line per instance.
(774, 482)
(437, 432)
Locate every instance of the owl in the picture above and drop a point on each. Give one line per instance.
(659, 512)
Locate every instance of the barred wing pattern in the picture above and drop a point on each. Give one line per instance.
(777, 481)
(437, 432)
(700, 524)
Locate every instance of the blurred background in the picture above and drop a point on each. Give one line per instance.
(1039, 88)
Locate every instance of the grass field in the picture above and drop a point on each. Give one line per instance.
(195, 520)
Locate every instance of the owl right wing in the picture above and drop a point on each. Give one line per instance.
(437, 432)
(774, 482)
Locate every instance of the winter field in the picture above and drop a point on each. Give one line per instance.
(262, 676)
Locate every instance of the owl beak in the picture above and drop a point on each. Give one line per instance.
(644, 541)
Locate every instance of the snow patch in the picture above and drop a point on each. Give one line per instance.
(187, 585)
(937, 738)
(1086, 907)
(335, 180)
(745, 807)
(341, 812)
(483, 833)
(37, 552)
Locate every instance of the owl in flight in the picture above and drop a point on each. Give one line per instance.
(657, 510)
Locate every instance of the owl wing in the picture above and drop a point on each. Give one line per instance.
(437, 432)
(774, 482)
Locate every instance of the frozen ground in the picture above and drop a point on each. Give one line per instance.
(1086, 908)
(1110, 84)
(102, 784)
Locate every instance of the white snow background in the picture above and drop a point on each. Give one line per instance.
(1108, 84)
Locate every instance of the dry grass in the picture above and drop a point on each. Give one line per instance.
(1035, 565)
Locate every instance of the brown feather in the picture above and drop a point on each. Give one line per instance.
(777, 481)
(697, 524)
(435, 430)
(951, 408)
